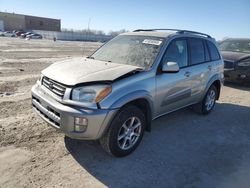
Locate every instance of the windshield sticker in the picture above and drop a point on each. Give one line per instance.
(153, 42)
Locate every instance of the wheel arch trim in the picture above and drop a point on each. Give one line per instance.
(133, 99)
(217, 80)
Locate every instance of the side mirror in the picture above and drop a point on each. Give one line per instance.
(170, 67)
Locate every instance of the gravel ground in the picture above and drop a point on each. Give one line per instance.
(183, 150)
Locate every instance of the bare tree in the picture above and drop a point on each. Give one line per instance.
(93, 32)
(115, 33)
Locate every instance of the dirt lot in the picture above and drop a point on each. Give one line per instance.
(183, 150)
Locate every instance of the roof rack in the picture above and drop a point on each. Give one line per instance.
(157, 30)
(177, 31)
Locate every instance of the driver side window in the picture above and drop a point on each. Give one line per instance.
(177, 52)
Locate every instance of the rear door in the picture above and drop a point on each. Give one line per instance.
(200, 65)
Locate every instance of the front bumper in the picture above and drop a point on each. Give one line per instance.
(62, 116)
(237, 75)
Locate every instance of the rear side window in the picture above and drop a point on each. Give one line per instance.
(214, 54)
(197, 51)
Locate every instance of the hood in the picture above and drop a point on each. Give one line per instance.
(234, 56)
(80, 70)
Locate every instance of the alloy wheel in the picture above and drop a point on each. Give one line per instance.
(129, 133)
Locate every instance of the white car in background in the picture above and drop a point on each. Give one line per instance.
(34, 36)
(24, 35)
(7, 34)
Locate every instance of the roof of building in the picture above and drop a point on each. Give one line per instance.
(27, 15)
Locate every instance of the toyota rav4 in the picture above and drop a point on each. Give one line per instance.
(114, 94)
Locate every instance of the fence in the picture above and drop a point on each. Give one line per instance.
(72, 36)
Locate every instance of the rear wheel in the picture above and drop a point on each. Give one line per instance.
(125, 132)
(208, 102)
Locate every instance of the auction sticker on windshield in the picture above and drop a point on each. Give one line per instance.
(153, 42)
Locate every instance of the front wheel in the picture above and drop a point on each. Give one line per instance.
(125, 132)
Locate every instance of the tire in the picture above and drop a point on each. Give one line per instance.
(206, 106)
(125, 132)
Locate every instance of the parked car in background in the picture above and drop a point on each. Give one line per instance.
(236, 55)
(8, 34)
(114, 94)
(24, 35)
(19, 33)
(34, 36)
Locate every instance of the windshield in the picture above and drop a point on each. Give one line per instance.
(139, 51)
(236, 46)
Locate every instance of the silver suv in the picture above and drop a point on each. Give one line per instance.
(114, 94)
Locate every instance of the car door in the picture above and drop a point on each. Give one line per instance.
(173, 90)
(200, 66)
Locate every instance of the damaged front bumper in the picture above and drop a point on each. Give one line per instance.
(63, 117)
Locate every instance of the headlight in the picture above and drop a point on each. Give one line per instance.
(91, 94)
(245, 63)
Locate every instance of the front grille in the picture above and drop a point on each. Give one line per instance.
(54, 86)
(48, 113)
(228, 65)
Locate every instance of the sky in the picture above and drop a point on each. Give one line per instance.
(219, 18)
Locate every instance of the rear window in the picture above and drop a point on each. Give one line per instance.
(236, 45)
(214, 54)
(197, 51)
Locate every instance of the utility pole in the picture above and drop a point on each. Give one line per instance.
(89, 24)
(88, 33)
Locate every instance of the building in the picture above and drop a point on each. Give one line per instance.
(1, 26)
(12, 21)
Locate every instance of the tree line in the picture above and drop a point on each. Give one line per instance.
(94, 32)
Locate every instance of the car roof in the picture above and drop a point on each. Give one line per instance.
(150, 33)
(166, 33)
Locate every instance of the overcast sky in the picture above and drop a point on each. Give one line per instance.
(220, 18)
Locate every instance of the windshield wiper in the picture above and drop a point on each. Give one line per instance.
(91, 57)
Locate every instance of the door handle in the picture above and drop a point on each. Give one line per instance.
(209, 67)
(187, 74)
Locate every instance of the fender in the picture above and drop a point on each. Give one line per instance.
(217, 77)
(139, 94)
(135, 95)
